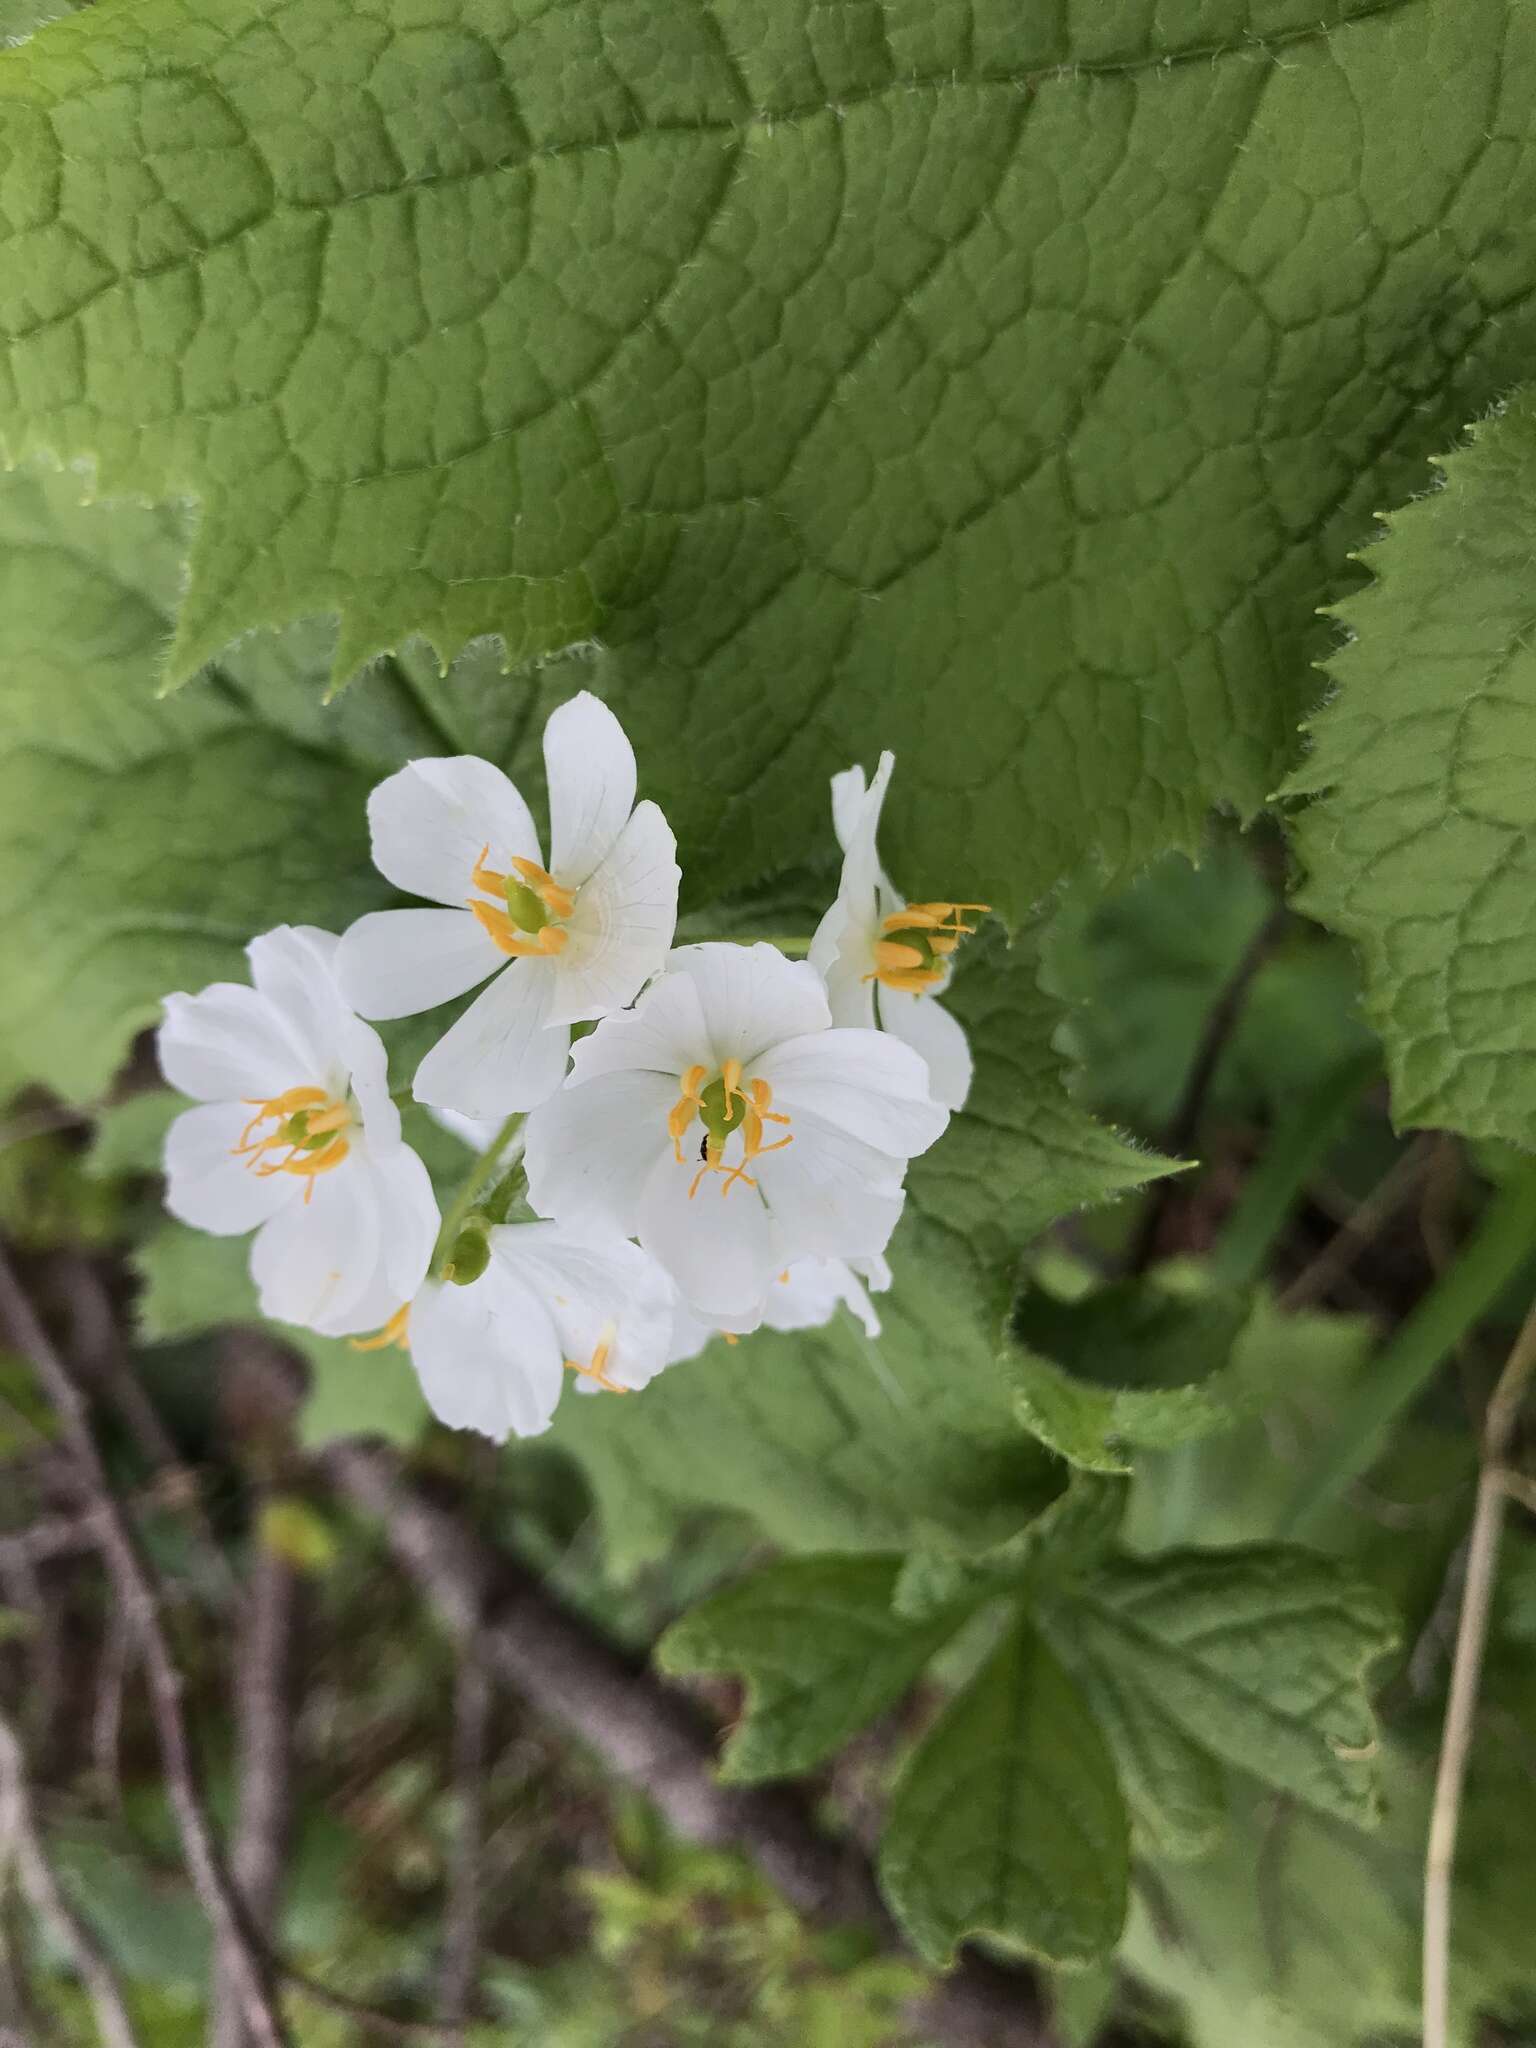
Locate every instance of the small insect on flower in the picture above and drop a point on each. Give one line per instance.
(564, 943)
(803, 1132)
(884, 960)
(296, 1138)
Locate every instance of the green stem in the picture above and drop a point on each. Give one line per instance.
(1503, 1242)
(1293, 1156)
(475, 1182)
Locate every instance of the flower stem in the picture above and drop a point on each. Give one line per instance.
(474, 1184)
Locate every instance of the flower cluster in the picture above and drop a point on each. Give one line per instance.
(724, 1148)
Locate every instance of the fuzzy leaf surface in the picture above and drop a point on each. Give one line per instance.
(1007, 1819)
(822, 1652)
(1257, 1654)
(1021, 375)
(1422, 846)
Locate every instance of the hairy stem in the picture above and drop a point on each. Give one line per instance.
(480, 1177)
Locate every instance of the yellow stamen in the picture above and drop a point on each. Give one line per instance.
(488, 879)
(506, 934)
(741, 1107)
(395, 1331)
(308, 1129)
(919, 937)
(682, 1112)
(557, 901)
(598, 1369)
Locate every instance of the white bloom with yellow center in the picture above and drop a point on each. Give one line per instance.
(296, 1138)
(568, 942)
(806, 1296)
(492, 1354)
(727, 1125)
(885, 960)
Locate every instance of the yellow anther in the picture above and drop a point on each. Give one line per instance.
(518, 945)
(686, 1107)
(395, 1331)
(488, 879)
(918, 937)
(893, 958)
(598, 1369)
(557, 901)
(307, 1131)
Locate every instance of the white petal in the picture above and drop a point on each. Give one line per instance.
(207, 1185)
(719, 1244)
(843, 954)
(593, 1146)
(752, 997)
(317, 1262)
(487, 1356)
(595, 1292)
(690, 1333)
(294, 968)
(663, 1034)
(227, 1043)
(393, 963)
(938, 1038)
(502, 1054)
(622, 926)
(367, 1063)
(810, 1293)
(474, 1131)
(865, 1082)
(848, 790)
(862, 873)
(590, 767)
(408, 1219)
(431, 821)
(822, 1210)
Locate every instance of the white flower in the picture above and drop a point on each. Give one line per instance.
(492, 1355)
(805, 1296)
(297, 1139)
(725, 1124)
(571, 941)
(884, 960)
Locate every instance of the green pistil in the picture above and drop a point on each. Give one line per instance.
(296, 1132)
(718, 1117)
(530, 913)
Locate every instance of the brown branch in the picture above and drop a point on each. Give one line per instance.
(20, 1837)
(655, 1738)
(1466, 1676)
(265, 1673)
(1184, 1125)
(135, 1590)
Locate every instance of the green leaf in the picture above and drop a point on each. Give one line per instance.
(820, 1648)
(833, 1442)
(1257, 1654)
(1143, 966)
(808, 359)
(1133, 1363)
(1007, 1820)
(1422, 848)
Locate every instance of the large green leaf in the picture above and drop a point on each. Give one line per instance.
(1003, 383)
(1007, 1820)
(1423, 845)
(822, 1652)
(1256, 1654)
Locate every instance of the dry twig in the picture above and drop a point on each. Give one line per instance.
(1466, 1674)
(20, 1838)
(135, 1590)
